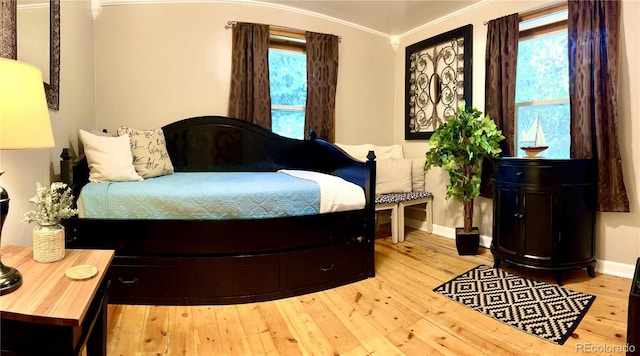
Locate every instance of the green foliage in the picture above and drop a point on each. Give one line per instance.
(543, 68)
(288, 86)
(459, 146)
(542, 86)
(288, 123)
(287, 77)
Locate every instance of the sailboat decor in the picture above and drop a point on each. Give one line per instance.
(534, 142)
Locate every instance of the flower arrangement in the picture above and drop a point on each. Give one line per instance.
(54, 204)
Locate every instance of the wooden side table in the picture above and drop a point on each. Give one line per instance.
(51, 314)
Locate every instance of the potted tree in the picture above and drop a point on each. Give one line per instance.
(459, 146)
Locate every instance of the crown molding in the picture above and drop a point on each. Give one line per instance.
(248, 2)
(447, 17)
(394, 40)
(96, 7)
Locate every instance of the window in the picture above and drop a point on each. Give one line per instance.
(542, 86)
(288, 81)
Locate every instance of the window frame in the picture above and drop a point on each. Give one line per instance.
(283, 39)
(533, 32)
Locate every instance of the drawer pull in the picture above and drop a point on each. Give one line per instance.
(518, 215)
(327, 269)
(128, 281)
(519, 174)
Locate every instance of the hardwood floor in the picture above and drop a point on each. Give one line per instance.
(395, 313)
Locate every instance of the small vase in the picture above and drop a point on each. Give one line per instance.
(48, 243)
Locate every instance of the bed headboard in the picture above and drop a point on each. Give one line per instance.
(217, 143)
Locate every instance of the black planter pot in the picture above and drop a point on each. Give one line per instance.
(467, 243)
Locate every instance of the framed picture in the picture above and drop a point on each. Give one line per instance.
(437, 80)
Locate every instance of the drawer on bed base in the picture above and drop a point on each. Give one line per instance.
(234, 279)
(230, 277)
(325, 266)
(141, 280)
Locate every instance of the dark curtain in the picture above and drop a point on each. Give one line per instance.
(322, 79)
(500, 87)
(593, 81)
(250, 96)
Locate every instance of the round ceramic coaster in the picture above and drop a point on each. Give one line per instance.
(81, 272)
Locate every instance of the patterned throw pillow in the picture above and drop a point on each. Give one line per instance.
(149, 149)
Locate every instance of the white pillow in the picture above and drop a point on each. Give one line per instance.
(358, 152)
(149, 150)
(388, 152)
(99, 133)
(417, 174)
(109, 158)
(393, 176)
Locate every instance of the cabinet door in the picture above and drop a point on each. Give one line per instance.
(508, 213)
(537, 231)
(576, 223)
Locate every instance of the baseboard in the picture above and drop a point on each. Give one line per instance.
(602, 266)
(448, 232)
(615, 268)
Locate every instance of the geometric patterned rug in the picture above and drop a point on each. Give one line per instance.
(544, 310)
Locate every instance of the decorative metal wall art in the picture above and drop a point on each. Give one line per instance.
(437, 79)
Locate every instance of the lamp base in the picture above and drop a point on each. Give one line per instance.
(10, 279)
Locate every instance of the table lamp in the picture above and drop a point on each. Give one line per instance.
(24, 124)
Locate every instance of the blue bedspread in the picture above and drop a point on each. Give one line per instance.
(203, 196)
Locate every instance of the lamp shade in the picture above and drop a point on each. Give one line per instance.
(24, 115)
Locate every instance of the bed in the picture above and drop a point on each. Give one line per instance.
(170, 260)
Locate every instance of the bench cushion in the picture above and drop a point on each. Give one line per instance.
(394, 198)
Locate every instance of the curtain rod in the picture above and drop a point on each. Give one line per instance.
(539, 11)
(231, 24)
(487, 22)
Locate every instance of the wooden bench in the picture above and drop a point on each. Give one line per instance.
(396, 202)
(399, 184)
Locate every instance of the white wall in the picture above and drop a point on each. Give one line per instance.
(158, 63)
(617, 234)
(25, 168)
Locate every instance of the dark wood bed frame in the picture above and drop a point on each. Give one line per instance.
(184, 262)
